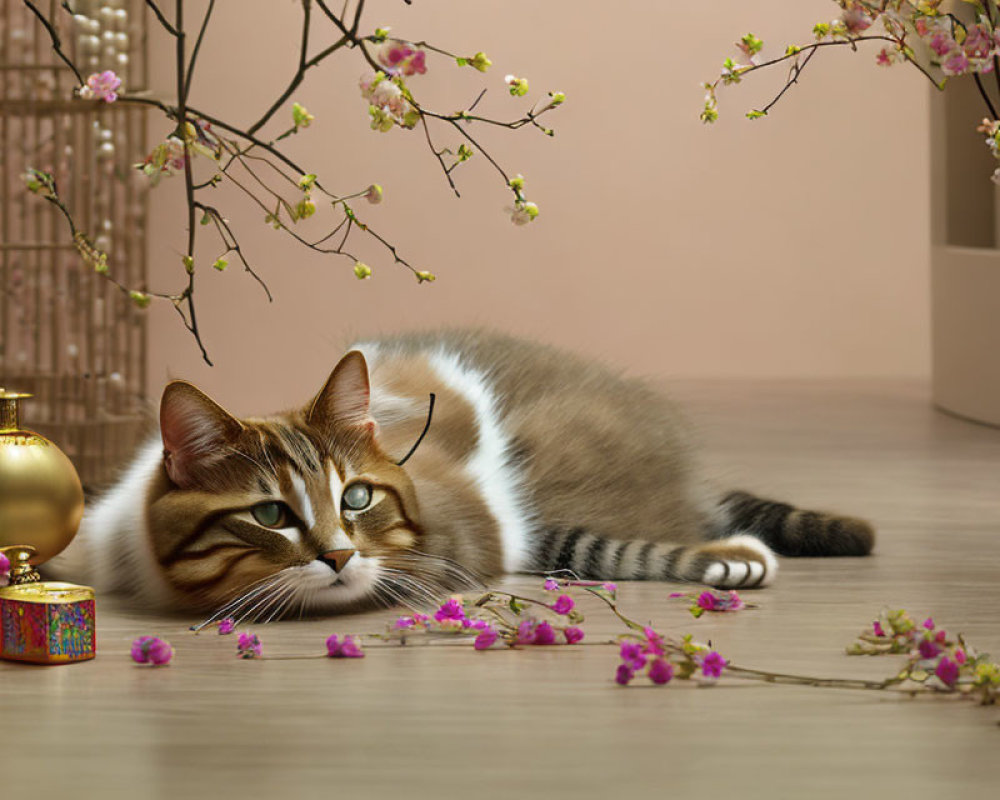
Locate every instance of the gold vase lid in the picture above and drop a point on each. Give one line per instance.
(10, 407)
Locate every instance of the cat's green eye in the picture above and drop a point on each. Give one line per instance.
(357, 496)
(270, 515)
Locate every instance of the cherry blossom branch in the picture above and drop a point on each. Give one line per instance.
(391, 104)
(939, 45)
(162, 19)
(54, 38)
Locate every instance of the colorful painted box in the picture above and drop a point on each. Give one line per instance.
(47, 623)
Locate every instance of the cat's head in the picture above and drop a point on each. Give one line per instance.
(302, 511)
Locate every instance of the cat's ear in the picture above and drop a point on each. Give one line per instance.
(342, 404)
(195, 429)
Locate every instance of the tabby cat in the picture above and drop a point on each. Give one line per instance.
(535, 460)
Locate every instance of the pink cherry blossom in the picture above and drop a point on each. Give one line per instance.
(101, 86)
(942, 44)
(856, 20)
(978, 43)
(956, 64)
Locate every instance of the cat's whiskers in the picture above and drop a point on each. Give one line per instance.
(243, 594)
(394, 595)
(410, 585)
(265, 603)
(282, 599)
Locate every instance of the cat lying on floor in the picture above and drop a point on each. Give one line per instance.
(536, 460)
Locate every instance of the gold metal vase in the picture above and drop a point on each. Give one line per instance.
(41, 499)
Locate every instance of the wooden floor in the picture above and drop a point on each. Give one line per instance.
(549, 722)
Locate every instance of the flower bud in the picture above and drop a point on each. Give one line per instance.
(374, 194)
(480, 61)
(362, 271)
(300, 116)
(141, 299)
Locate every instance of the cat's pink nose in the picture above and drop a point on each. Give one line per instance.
(336, 559)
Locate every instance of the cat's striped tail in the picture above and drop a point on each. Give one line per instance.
(790, 531)
(737, 561)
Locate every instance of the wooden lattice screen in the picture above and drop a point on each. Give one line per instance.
(67, 335)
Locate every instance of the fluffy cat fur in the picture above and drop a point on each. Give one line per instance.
(536, 460)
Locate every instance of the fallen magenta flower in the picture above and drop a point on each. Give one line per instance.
(249, 646)
(712, 664)
(551, 584)
(544, 634)
(227, 626)
(451, 609)
(348, 648)
(947, 670)
(573, 635)
(151, 650)
(563, 604)
(631, 653)
(526, 632)
(485, 639)
(928, 648)
(660, 671)
(623, 675)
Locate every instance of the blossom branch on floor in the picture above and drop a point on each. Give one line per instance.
(940, 44)
(937, 664)
(287, 193)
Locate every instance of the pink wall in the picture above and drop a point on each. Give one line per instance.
(792, 246)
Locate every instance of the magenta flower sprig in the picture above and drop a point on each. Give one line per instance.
(506, 623)
(713, 601)
(662, 659)
(936, 661)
